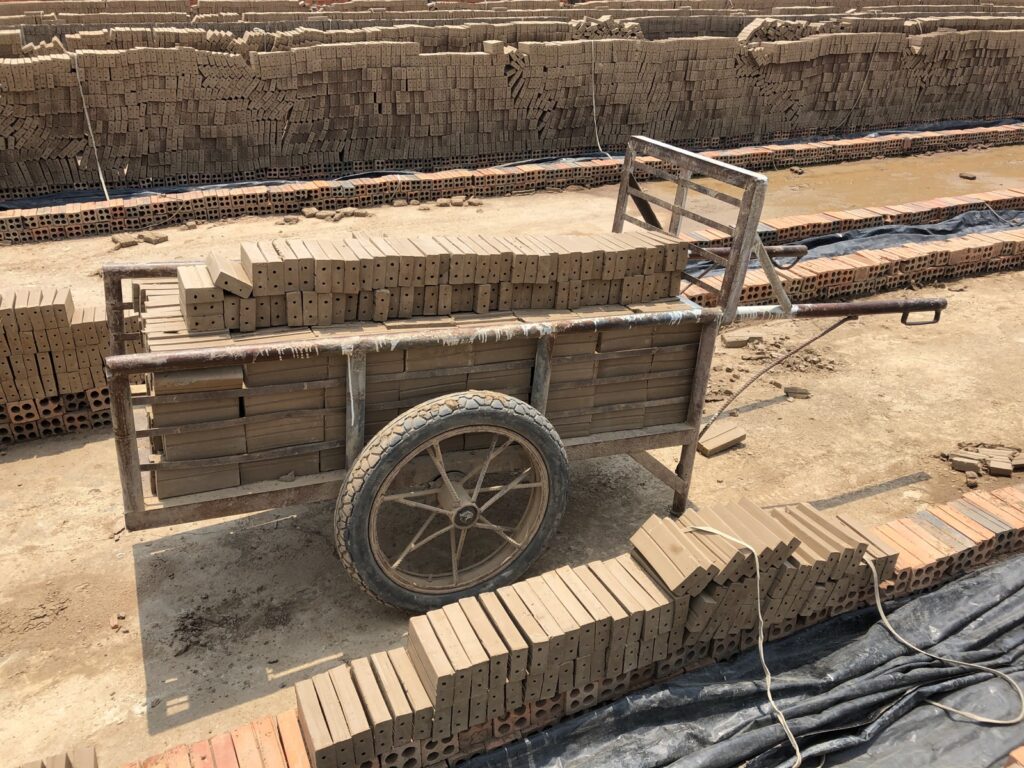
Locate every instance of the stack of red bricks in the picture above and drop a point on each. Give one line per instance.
(120, 214)
(51, 365)
(873, 270)
(485, 671)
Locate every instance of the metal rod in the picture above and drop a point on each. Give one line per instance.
(124, 445)
(541, 373)
(843, 308)
(349, 343)
(698, 388)
(355, 420)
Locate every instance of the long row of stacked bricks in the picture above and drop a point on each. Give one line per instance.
(309, 283)
(51, 365)
(485, 671)
(28, 225)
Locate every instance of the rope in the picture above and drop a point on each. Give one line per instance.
(955, 662)
(799, 759)
(88, 121)
(768, 367)
(593, 95)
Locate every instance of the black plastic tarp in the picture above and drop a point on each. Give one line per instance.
(851, 693)
(892, 235)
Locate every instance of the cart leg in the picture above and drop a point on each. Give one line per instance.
(355, 421)
(127, 454)
(701, 375)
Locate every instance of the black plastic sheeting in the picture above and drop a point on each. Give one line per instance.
(892, 235)
(889, 236)
(850, 692)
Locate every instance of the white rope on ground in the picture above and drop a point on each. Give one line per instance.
(88, 121)
(955, 662)
(799, 759)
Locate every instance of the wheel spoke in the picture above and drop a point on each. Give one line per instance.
(456, 552)
(438, 459)
(416, 544)
(410, 495)
(518, 479)
(519, 487)
(485, 524)
(418, 505)
(481, 470)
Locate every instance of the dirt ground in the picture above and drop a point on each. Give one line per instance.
(138, 641)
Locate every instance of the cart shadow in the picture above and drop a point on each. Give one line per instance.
(239, 610)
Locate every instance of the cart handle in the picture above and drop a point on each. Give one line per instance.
(903, 307)
(905, 319)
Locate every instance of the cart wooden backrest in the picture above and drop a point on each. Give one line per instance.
(732, 215)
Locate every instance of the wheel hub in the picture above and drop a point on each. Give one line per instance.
(466, 517)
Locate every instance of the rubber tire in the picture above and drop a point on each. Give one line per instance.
(387, 449)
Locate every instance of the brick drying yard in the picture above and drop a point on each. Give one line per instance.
(219, 620)
(345, 180)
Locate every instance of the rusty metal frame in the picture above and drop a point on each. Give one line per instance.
(683, 167)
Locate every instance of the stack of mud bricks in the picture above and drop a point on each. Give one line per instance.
(293, 410)
(119, 214)
(486, 670)
(328, 109)
(51, 365)
(79, 757)
(942, 541)
(304, 283)
(601, 381)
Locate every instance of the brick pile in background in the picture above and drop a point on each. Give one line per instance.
(51, 365)
(488, 670)
(882, 269)
(399, 108)
(28, 225)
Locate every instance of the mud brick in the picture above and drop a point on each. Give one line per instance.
(537, 639)
(437, 750)
(229, 275)
(722, 436)
(355, 716)
(412, 686)
(196, 286)
(372, 702)
(170, 482)
(324, 730)
(559, 643)
(505, 626)
(431, 663)
(399, 708)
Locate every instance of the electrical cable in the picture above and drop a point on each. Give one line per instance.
(946, 660)
(799, 759)
(768, 367)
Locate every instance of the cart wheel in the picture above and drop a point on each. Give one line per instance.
(454, 497)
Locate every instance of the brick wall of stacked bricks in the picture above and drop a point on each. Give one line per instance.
(121, 214)
(485, 671)
(182, 115)
(51, 365)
